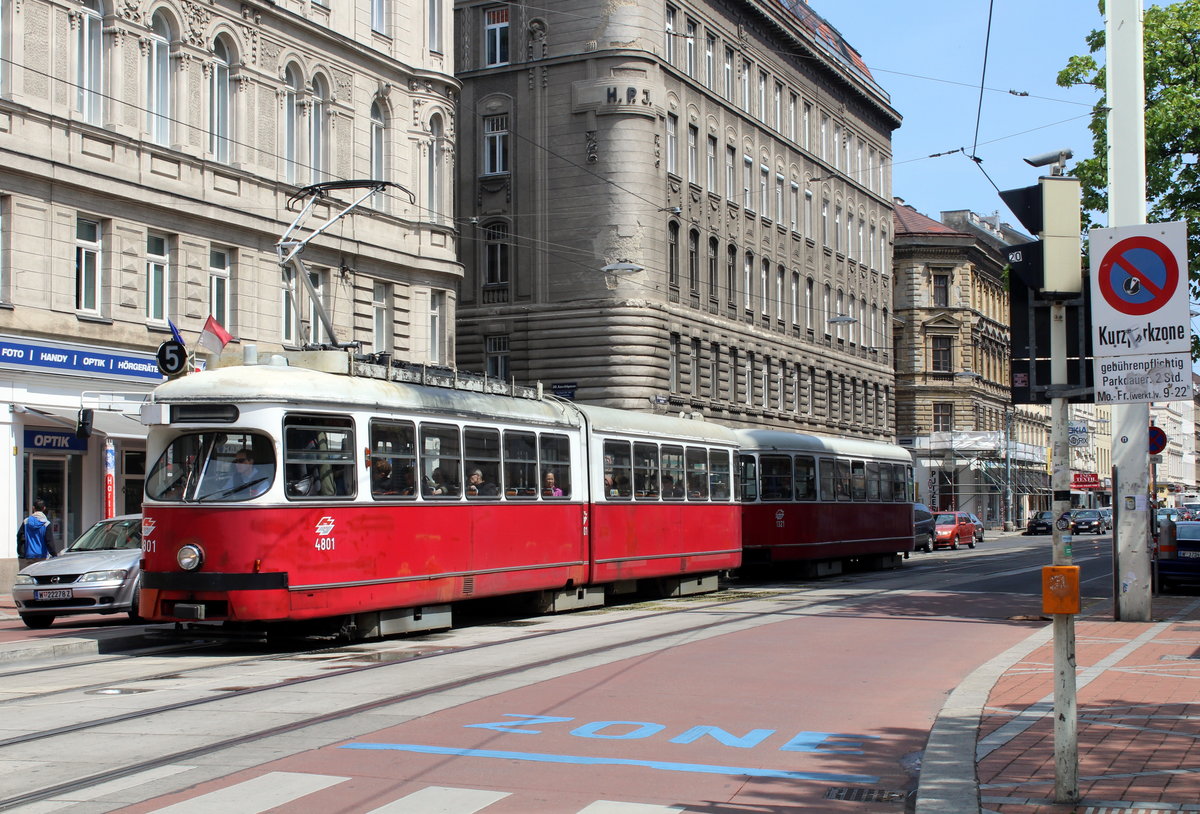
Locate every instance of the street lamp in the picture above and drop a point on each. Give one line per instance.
(1008, 490)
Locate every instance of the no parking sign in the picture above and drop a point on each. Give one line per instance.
(1141, 334)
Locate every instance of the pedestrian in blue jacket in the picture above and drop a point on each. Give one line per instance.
(35, 538)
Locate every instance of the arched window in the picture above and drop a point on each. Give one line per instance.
(158, 80)
(435, 170)
(378, 151)
(673, 254)
(291, 122)
(89, 62)
(318, 130)
(694, 261)
(497, 254)
(219, 105)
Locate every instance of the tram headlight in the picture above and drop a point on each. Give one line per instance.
(189, 557)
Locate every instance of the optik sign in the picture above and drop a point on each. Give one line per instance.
(1141, 334)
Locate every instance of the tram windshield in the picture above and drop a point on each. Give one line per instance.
(213, 466)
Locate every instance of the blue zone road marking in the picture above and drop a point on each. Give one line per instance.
(661, 765)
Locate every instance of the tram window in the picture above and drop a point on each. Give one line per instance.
(748, 469)
(718, 474)
(885, 483)
(555, 451)
(441, 461)
(873, 481)
(213, 466)
(858, 481)
(697, 473)
(319, 456)
(520, 465)
(393, 460)
(481, 454)
(806, 478)
(826, 475)
(775, 472)
(617, 470)
(645, 471)
(672, 473)
(841, 482)
(904, 483)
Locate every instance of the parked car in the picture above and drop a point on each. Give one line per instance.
(1040, 523)
(978, 527)
(1181, 566)
(1087, 520)
(98, 573)
(1107, 515)
(922, 527)
(1163, 515)
(952, 528)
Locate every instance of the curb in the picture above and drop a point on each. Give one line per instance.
(948, 781)
(50, 648)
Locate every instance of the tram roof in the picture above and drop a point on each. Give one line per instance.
(299, 387)
(610, 420)
(777, 440)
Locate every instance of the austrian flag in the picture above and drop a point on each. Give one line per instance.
(214, 337)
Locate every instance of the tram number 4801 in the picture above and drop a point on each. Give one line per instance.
(325, 544)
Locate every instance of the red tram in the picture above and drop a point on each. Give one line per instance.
(824, 501)
(375, 496)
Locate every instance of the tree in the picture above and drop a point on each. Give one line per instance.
(1172, 71)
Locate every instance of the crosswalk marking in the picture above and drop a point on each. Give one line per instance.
(612, 807)
(261, 794)
(257, 795)
(442, 800)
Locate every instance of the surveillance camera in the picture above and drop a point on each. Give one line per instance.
(1046, 159)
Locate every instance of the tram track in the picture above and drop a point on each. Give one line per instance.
(720, 615)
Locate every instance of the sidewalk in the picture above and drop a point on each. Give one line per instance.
(1138, 694)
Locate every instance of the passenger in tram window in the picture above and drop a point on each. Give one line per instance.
(440, 484)
(478, 486)
(410, 482)
(670, 488)
(550, 489)
(381, 478)
(610, 484)
(697, 487)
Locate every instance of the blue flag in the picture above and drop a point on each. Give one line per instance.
(175, 333)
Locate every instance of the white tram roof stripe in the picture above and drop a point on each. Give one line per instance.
(299, 387)
(780, 441)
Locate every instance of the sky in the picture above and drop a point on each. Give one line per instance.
(929, 57)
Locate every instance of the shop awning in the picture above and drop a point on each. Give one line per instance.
(104, 422)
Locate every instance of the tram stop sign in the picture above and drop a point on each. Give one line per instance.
(1158, 439)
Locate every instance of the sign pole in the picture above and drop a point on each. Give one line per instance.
(1126, 95)
(1066, 744)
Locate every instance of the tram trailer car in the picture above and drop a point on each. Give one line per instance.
(333, 489)
(823, 502)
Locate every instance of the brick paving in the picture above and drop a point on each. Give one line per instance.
(1138, 696)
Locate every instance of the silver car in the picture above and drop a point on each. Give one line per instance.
(98, 573)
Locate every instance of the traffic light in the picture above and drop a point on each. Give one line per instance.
(1041, 273)
(1050, 210)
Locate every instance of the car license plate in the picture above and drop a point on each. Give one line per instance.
(1190, 554)
(59, 593)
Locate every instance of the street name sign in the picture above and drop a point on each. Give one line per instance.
(1141, 322)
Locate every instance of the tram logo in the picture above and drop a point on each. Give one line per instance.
(324, 526)
(147, 526)
(779, 519)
